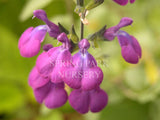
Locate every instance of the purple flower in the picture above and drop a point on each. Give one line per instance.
(30, 41)
(111, 32)
(53, 95)
(131, 50)
(53, 29)
(84, 73)
(55, 60)
(123, 2)
(83, 101)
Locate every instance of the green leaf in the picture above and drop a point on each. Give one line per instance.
(32, 5)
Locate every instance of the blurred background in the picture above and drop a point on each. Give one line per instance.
(134, 90)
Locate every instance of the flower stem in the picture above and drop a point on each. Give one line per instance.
(82, 25)
(82, 30)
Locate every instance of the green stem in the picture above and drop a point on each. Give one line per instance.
(82, 30)
(82, 25)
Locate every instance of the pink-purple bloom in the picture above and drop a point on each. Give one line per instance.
(56, 67)
(56, 59)
(124, 2)
(83, 101)
(30, 41)
(84, 73)
(53, 95)
(130, 48)
(53, 29)
(46, 88)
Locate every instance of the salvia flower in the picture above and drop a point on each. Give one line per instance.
(53, 95)
(56, 59)
(30, 41)
(83, 101)
(56, 67)
(111, 32)
(124, 2)
(84, 73)
(53, 29)
(130, 48)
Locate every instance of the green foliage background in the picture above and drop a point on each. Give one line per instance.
(134, 90)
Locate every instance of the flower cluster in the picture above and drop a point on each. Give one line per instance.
(57, 67)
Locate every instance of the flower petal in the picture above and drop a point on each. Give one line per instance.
(131, 50)
(63, 62)
(41, 93)
(39, 33)
(110, 33)
(92, 78)
(79, 100)
(53, 29)
(72, 77)
(99, 100)
(124, 38)
(40, 14)
(31, 48)
(56, 97)
(43, 64)
(125, 21)
(136, 46)
(129, 54)
(25, 36)
(132, 1)
(89, 61)
(35, 80)
(29, 43)
(121, 2)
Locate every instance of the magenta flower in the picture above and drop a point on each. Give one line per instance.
(111, 32)
(30, 41)
(131, 50)
(53, 29)
(53, 95)
(123, 2)
(83, 101)
(55, 60)
(84, 73)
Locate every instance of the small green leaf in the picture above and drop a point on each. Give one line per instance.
(73, 36)
(94, 3)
